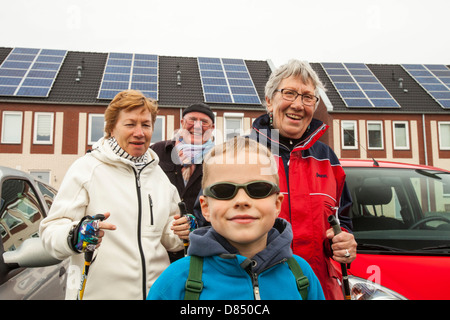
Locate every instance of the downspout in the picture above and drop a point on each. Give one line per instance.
(181, 117)
(424, 139)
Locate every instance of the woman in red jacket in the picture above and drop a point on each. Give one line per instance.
(311, 176)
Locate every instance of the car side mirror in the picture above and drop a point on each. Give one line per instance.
(30, 254)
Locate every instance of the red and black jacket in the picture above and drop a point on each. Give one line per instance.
(313, 183)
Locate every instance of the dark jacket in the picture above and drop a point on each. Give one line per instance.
(188, 193)
(313, 182)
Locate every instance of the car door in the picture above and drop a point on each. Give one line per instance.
(21, 211)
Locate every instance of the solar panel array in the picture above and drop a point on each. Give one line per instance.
(30, 72)
(227, 81)
(125, 71)
(358, 87)
(434, 78)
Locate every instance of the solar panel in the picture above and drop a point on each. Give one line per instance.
(434, 78)
(130, 71)
(30, 72)
(227, 81)
(358, 87)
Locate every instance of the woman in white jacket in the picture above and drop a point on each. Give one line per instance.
(121, 179)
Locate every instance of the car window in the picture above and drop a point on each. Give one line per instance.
(48, 192)
(20, 213)
(432, 190)
(400, 208)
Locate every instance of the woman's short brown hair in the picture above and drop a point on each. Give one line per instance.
(126, 101)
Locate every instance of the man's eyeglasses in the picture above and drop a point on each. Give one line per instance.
(291, 95)
(191, 121)
(258, 189)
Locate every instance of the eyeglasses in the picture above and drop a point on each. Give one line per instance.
(191, 121)
(291, 95)
(258, 189)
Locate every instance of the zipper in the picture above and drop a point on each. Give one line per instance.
(255, 286)
(254, 279)
(141, 251)
(137, 175)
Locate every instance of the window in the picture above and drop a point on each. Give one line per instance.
(48, 192)
(159, 129)
(401, 135)
(12, 127)
(233, 125)
(43, 128)
(375, 134)
(444, 135)
(96, 128)
(41, 175)
(348, 134)
(20, 213)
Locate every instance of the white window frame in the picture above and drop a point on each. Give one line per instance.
(91, 116)
(228, 115)
(355, 126)
(441, 142)
(163, 128)
(36, 117)
(406, 123)
(381, 134)
(214, 133)
(5, 127)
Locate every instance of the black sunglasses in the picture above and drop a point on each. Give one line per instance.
(258, 189)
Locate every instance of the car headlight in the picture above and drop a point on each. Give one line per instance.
(362, 289)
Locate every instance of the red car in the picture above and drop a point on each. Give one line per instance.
(401, 222)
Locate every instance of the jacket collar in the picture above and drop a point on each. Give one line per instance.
(103, 151)
(207, 242)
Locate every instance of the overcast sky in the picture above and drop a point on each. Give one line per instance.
(369, 31)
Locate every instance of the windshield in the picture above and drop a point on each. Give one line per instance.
(400, 209)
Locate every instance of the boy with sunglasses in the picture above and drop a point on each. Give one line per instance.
(245, 251)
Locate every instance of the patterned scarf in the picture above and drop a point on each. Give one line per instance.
(190, 155)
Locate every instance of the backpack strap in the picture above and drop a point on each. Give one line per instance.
(300, 278)
(194, 283)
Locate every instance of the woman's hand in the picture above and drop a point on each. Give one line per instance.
(88, 234)
(181, 227)
(343, 246)
(103, 225)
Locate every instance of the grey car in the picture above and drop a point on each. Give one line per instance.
(27, 271)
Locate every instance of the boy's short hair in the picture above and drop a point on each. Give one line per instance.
(241, 150)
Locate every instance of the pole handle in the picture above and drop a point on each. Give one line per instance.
(334, 224)
(182, 207)
(346, 286)
(183, 212)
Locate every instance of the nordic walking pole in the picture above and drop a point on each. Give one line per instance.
(183, 212)
(87, 261)
(337, 229)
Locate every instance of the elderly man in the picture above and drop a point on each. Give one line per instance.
(181, 158)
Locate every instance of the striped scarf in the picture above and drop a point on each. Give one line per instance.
(139, 162)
